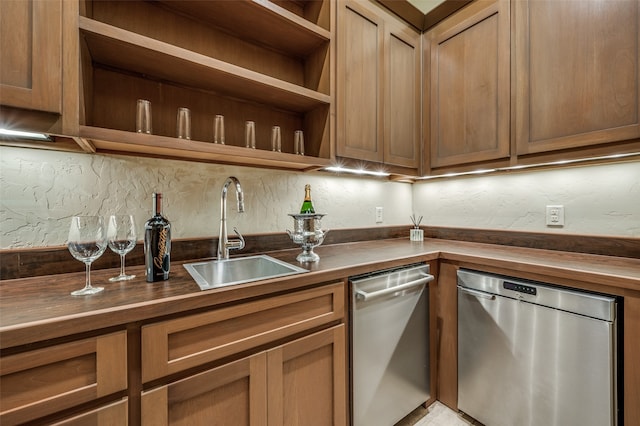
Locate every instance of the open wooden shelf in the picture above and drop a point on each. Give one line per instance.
(265, 61)
(122, 49)
(261, 21)
(117, 141)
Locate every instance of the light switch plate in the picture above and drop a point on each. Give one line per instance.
(379, 217)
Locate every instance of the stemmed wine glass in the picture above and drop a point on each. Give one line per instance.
(87, 241)
(121, 234)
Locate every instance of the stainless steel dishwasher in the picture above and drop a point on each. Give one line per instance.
(535, 354)
(390, 344)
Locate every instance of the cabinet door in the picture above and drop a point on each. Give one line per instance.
(402, 96)
(576, 73)
(44, 381)
(31, 46)
(307, 380)
(234, 394)
(109, 415)
(360, 74)
(469, 85)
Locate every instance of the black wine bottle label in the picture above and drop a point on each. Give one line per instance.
(157, 244)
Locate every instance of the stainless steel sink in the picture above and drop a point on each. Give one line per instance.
(221, 273)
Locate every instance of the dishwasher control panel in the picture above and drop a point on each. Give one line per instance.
(520, 288)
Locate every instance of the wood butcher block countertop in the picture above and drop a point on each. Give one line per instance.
(41, 308)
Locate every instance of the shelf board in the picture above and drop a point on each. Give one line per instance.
(262, 21)
(118, 141)
(133, 52)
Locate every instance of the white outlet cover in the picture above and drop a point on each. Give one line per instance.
(555, 215)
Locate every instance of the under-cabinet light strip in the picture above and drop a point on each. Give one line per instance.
(529, 166)
(339, 169)
(363, 171)
(6, 133)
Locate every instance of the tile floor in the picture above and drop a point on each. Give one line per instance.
(437, 414)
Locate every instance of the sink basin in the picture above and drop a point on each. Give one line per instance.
(215, 273)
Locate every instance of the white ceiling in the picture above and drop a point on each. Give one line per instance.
(426, 5)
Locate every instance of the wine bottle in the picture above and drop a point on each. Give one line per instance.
(307, 205)
(157, 243)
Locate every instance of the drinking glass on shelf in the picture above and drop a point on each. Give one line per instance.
(276, 139)
(143, 116)
(250, 134)
(184, 123)
(298, 142)
(121, 235)
(218, 130)
(87, 241)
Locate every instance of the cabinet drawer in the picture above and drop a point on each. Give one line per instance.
(44, 381)
(174, 345)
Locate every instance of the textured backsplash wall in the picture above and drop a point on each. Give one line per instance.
(40, 190)
(598, 200)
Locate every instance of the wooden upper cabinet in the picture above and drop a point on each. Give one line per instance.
(31, 51)
(360, 71)
(302, 382)
(378, 86)
(576, 73)
(402, 95)
(469, 88)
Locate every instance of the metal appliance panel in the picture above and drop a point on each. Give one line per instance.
(520, 363)
(390, 357)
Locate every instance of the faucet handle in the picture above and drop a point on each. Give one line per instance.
(236, 244)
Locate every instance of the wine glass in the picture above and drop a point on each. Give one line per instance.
(87, 241)
(121, 234)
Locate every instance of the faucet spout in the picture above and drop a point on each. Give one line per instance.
(224, 244)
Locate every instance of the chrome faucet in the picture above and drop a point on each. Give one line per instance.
(224, 244)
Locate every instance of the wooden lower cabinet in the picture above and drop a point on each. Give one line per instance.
(177, 344)
(109, 415)
(307, 380)
(302, 382)
(233, 394)
(39, 383)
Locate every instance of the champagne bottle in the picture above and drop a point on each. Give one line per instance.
(307, 205)
(157, 243)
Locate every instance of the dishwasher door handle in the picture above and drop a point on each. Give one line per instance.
(477, 293)
(363, 295)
